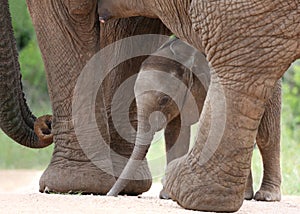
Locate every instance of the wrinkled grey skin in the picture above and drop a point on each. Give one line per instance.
(180, 116)
(69, 34)
(249, 46)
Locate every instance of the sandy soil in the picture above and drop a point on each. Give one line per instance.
(19, 194)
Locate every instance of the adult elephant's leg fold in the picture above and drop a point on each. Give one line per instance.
(212, 177)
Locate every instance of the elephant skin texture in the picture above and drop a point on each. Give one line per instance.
(249, 46)
(69, 35)
(78, 33)
(179, 114)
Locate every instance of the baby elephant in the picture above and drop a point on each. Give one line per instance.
(170, 92)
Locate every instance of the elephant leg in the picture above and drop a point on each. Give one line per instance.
(68, 41)
(214, 173)
(122, 134)
(80, 161)
(177, 140)
(268, 141)
(249, 188)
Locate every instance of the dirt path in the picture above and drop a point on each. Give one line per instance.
(19, 194)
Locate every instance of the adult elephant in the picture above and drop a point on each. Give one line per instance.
(69, 34)
(249, 45)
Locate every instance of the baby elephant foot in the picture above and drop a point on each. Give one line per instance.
(248, 194)
(249, 188)
(164, 195)
(137, 187)
(268, 194)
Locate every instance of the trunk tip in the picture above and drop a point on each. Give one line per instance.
(112, 193)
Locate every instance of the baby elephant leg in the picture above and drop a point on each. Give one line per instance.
(268, 141)
(177, 140)
(249, 188)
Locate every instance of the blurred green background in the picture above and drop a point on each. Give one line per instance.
(14, 156)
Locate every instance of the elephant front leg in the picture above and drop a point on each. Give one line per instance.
(81, 160)
(268, 141)
(177, 138)
(212, 177)
(177, 141)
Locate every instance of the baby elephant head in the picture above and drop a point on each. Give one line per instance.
(161, 86)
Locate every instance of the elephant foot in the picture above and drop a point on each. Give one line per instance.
(268, 194)
(197, 189)
(84, 178)
(249, 194)
(164, 195)
(71, 171)
(137, 187)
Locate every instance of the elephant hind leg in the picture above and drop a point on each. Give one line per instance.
(268, 141)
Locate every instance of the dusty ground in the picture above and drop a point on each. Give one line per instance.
(19, 194)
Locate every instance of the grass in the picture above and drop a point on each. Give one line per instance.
(15, 156)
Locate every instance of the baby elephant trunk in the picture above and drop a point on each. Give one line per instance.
(148, 124)
(138, 155)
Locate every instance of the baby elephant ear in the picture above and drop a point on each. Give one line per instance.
(183, 53)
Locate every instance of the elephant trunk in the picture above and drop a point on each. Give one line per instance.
(145, 133)
(16, 120)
